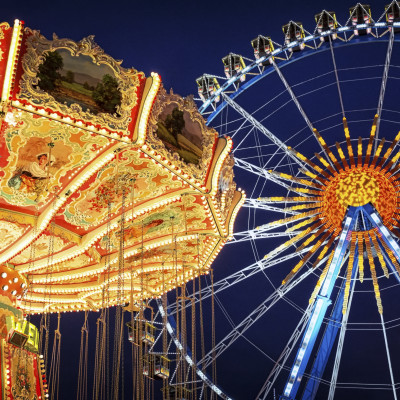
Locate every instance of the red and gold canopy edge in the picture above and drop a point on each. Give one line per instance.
(75, 162)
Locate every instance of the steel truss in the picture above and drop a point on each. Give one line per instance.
(320, 307)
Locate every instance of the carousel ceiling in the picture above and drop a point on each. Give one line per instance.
(111, 189)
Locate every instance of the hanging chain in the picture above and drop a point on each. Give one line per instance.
(193, 304)
(83, 361)
(101, 381)
(119, 320)
(214, 365)
(45, 320)
(28, 309)
(54, 376)
(139, 325)
(203, 348)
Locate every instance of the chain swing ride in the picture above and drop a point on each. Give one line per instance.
(113, 193)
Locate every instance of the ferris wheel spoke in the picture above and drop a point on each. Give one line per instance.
(245, 273)
(263, 130)
(253, 317)
(337, 77)
(257, 204)
(293, 96)
(299, 107)
(280, 363)
(264, 173)
(187, 356)
(254, 234)
(383, 85)
(388, 356)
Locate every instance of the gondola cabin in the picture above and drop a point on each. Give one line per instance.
(206, 87)
(148, 365)
(161, 366)
(233, 65)
(263, 47)
(361, 14)
(294, 31)
(326, 21)
(144, 333)
(392, 12)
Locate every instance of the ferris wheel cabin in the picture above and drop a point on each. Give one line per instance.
(263, 47)
(361, 14)
(326, 21)
(294, 31)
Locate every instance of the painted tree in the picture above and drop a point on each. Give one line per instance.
(174, 122)
(49, 70)
(107, 95)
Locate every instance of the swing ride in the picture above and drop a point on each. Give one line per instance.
(113, 192)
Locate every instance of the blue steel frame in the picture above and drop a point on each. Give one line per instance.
(231, 84)
(329, 337)
(323, 301)
(171, 328)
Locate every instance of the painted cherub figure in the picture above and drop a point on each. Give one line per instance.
(33, 177)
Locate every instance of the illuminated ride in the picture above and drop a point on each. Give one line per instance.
(315, 124)
(113, 192)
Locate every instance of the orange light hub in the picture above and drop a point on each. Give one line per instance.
(355, 187)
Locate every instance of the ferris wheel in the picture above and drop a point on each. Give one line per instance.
(307, 291)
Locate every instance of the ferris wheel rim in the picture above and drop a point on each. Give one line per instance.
(301, 55)
(367, 39)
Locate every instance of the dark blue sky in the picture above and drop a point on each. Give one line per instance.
(181, 40)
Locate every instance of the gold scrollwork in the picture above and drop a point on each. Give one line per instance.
(226, 186)
(4, 26)
(128, 80)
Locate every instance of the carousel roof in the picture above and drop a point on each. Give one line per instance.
(112, 190)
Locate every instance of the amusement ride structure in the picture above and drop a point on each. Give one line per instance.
(116, 198)
(308, 119)
(113, 193)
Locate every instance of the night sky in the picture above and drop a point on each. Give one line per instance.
(181, 40)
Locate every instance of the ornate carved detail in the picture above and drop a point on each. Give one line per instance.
(128, 79)
(226, 186)
(4, 26)
(23, 381)
(198, 171)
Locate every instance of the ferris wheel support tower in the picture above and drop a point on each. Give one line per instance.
(323, 299)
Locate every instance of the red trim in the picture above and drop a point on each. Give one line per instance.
(18, 71)
(135, 109)
(5, 48)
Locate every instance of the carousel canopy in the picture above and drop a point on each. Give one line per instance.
(112, 190)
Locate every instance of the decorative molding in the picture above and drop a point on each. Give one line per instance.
(128, 80)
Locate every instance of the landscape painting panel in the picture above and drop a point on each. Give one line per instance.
(78, 80)
(180, 134)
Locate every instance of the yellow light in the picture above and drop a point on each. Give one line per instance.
(11, 61)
